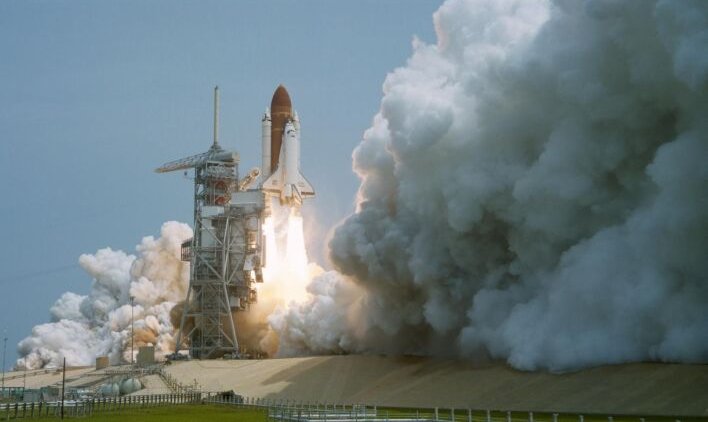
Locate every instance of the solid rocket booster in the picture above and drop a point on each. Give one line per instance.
(266, 128)
(281, 141)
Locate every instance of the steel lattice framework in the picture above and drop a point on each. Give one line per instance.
(225, 252)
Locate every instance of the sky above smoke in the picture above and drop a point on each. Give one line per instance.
(533, 189)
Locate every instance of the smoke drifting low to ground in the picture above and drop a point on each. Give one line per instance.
(534, 189)
(84, 327)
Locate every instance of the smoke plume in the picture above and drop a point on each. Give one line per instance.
(84, 327)
(533, 189)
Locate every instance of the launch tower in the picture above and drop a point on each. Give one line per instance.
(225, 252)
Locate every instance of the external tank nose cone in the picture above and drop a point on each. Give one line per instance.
(281, 100)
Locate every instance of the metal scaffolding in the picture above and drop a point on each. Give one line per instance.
(225, 252)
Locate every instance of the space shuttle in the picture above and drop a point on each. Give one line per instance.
(280, 173)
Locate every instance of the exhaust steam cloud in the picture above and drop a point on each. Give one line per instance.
(534, 189)
(84, 327)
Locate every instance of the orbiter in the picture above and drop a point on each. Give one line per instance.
(281, 174)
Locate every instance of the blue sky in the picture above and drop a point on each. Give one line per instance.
(95, 94)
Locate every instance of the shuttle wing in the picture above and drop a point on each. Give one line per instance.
(304, 187)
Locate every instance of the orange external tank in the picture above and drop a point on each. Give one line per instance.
(281, 110)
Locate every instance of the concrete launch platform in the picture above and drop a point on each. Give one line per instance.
(642, 388)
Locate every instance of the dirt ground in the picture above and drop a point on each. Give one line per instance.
(642, 388)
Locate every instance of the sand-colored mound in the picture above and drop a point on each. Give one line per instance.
(644, 388)
(42, 377)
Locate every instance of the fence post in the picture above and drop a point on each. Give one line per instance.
(489, 416)
(436, 413)
(581, 418)
(555, 417)
(452, 414)
(531, 417)
(508, 416)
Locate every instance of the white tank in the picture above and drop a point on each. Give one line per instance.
(109, 389)
(130, 385)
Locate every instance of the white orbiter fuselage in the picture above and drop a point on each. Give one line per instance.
(280, 175)
(286, 181)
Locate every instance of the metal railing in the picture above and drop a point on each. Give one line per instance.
(175, 385)
(277, 410)
(290, 411)
(89, 407)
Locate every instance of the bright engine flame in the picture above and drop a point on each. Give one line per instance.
(285, 274)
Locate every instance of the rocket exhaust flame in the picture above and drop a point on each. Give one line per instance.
(287, 258)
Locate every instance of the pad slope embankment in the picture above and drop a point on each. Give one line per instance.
(641, 388)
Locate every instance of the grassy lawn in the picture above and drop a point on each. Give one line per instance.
(211, 412)
(182, 413)
(481, 416)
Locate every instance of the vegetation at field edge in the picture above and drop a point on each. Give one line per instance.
(181, 413)
(499, 416)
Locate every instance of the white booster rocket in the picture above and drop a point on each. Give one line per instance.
(281, 153)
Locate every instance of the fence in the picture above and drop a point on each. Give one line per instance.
(175, 385)
(288, 411)
(77, 408)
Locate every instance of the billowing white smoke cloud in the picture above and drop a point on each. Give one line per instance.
(534, 189)
(84, 327)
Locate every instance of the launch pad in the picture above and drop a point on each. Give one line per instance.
(227, 251)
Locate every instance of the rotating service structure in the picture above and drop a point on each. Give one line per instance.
(226, 252)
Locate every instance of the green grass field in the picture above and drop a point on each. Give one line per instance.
(481, 416)
(181, 413)
(226, 413)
